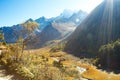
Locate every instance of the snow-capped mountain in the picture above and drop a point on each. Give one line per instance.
(49, 29)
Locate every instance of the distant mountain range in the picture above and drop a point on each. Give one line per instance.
(50, 29)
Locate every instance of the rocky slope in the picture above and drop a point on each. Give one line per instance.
(50, 29)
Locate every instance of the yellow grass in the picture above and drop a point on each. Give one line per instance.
(67, 62)
(95, 74)
(90, 73)
(70, 78)
(50, 60)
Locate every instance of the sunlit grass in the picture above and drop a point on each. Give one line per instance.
(91, 73)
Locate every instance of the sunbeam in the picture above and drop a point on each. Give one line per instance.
(106, 33)
(107, 26)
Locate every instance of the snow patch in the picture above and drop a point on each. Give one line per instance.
(80, 69)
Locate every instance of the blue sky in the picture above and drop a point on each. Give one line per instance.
(17, 11)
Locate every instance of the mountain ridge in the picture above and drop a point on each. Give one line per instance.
(60, 25)
(99, 28)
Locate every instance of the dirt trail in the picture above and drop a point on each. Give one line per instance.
(3, 75)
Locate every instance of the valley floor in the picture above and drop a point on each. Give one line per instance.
(83, 66)
(87, 70)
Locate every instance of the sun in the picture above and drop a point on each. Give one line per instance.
(92, 4)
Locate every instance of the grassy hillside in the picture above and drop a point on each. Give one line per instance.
(100, 27)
